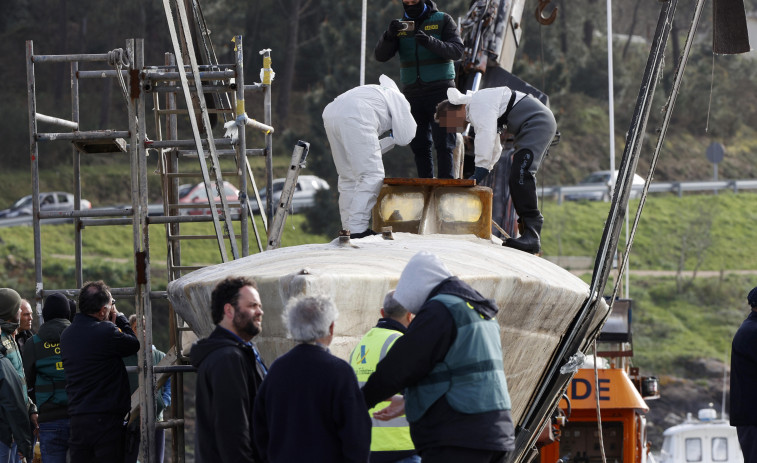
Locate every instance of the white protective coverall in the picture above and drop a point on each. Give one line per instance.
(532, 125)
(354, 121)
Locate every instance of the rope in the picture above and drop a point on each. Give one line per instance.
(119, 58)
(677, 80)
(709, 104)
(596, 396)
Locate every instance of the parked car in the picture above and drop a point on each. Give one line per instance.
(304, 193)
(48, 202)
(604, 179)
(196, 194)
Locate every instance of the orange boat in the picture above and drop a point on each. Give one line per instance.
(617, 391)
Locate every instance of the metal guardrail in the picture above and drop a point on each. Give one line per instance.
(573, 192)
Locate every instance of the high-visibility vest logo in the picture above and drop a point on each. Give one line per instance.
(363, 354)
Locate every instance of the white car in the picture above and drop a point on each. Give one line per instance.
(48, 202)
(604, 179)
(304, 193)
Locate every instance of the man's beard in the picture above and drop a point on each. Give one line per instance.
(247, 327)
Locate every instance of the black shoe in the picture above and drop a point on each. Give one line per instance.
(363, 234)
(528, 241)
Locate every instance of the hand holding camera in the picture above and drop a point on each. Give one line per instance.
(397, 26)
(113, 313)
(394, 27)
(421, 38)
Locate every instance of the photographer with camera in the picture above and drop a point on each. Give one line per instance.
(428, 44)
(97, 385)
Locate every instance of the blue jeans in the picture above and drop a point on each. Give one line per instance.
(53, 440)
(9, 454)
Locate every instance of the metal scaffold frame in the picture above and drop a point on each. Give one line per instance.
(137, 81)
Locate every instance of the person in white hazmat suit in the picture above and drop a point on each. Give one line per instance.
(354, 121)
(490, 111)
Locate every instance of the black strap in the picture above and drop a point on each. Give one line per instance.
(502, 120)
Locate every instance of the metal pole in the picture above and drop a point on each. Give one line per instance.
(241, 147)
(610, 89)
(268, 137)
(137, 127)
(77, 176)
(174, 258)
(34, 156)
(363, 22)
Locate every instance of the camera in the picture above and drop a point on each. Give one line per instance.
(407, 25)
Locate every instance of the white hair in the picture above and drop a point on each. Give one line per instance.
(308, 318)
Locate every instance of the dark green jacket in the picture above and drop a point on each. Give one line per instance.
(471, 377)
(430, 67)
(417, 62)
(14, 419)
(43, 366)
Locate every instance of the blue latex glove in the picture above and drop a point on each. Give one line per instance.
(479, 174)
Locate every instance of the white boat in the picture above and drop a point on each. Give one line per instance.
(705, 439)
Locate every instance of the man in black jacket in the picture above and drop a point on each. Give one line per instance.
(96, 381)
(449, 363)
(427, 54)
(744, 382)
(229, 372)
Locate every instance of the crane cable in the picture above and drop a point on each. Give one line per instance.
(678, 78)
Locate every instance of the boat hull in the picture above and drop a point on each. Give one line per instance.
(537, 299)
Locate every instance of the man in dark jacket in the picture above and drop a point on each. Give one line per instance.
(309, 407)
(229, 372)
(96, 381)
(427, 54)
(744, 382)
(449, 363)
(46, 379)
(11, 439)
(15, 429)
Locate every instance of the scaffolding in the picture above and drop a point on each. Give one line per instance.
(167, 84)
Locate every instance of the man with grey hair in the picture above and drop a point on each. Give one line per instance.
(309, 407)
(390, 441)
(25, 319)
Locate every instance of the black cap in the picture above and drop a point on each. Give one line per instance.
(56, 306)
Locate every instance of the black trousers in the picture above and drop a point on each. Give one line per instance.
(97, 438)
(461, 454)
(429, 134)
(748, 440)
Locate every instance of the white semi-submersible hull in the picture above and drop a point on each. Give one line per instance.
(537, 299)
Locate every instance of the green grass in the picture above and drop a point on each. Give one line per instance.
(719, 227)
(107, 249)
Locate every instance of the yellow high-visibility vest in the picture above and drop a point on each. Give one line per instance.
(392, 435)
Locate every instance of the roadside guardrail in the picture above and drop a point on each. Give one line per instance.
(656, 187)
